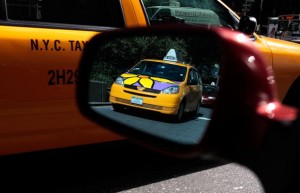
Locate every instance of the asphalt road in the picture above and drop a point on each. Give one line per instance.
(120, 167)
(189, 131)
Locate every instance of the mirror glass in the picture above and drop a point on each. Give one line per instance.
(163, 85)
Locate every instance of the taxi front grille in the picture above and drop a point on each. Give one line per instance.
(139, 94)
(145, 105)
(145, 89)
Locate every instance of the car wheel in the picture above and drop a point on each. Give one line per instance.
(180, 112)
(196, 111)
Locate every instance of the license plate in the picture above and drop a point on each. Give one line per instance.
(136, 100)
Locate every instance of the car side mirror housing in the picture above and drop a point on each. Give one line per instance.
(247, 25)
(152, 104)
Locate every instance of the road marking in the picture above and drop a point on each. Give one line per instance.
(204, 118)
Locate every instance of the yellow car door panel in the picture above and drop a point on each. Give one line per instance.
(41, 45)
(286, 63)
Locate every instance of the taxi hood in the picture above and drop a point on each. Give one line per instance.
(277, 45)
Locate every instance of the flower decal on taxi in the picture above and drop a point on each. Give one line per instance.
(147, 81)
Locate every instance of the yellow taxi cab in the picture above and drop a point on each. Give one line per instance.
(165, 86)
(41, 45)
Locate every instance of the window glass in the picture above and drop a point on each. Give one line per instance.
(198, 77)
(192, 78)
(151, 11)
(282, 25)
(82, 12)
(2, 13)
(162, 70)
(294, 26)
(201, 12)
(161, 13)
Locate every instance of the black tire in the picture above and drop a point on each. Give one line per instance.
(178, 117)
(196, 111)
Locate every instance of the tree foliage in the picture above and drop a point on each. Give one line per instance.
(117, 56)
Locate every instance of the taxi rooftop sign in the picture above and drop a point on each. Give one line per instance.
(173, 56)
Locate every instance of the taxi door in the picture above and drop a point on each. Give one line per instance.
(194, 90)
(41, 45)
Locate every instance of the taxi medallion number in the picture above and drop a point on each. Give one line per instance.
(136, 100)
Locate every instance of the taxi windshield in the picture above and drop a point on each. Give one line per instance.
(196, 12)
(160, 69)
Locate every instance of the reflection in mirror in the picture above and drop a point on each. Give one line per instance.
(160, 84)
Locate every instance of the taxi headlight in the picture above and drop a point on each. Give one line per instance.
(171, 90)
(119, 81)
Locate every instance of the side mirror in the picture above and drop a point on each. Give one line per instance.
(152, 104)
(247, 25)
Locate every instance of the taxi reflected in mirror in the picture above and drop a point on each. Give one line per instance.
(165, 86)
(201, 56)
(153, 82)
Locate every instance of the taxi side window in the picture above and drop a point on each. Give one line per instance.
(199, 80)
(79, 12)
(194, 78)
